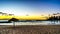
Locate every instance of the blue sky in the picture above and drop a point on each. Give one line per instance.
(31, 7)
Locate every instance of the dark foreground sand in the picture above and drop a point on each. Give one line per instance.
(30, 29)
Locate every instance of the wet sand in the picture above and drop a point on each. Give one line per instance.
(30, 29)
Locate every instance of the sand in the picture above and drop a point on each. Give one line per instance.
(30, 29)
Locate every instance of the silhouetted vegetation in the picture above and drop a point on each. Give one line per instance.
(54, 18)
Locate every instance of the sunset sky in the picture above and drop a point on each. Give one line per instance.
(30, 7)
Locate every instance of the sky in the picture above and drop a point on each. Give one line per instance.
(30, 7)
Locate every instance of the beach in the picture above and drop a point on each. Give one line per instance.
(30, 29)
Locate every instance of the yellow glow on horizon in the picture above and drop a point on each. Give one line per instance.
(25, 17)
(31, 17)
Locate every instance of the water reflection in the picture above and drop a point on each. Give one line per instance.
(31, 22)
(38, 23)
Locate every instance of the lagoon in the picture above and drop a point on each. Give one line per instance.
(57, 22)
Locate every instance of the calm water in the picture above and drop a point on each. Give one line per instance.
(31, 23)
